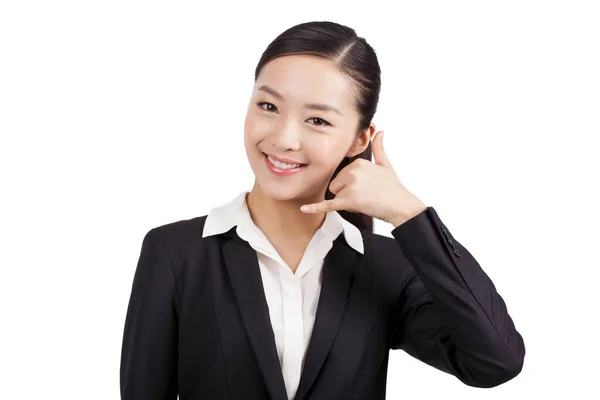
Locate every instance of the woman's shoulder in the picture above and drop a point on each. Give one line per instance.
(377, 244)
(182, 227)
(181, 235)
(385, 257)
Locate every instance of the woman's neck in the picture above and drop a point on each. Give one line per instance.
(283, 218)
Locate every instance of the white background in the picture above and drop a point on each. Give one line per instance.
(119, 116)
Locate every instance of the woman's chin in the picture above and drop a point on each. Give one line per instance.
(282, 192)
(279, 191)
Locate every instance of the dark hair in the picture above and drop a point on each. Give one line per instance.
(356, 59)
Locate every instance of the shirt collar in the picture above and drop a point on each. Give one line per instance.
(223, 218)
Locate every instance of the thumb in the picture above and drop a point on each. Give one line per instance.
(378, 152)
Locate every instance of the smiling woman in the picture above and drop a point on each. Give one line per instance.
(316, 91)
(286, 292)
(302, 112)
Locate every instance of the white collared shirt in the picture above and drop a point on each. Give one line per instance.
(292, 298)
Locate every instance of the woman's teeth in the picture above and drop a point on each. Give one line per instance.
(282, 165)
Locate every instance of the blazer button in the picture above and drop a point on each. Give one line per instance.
(456, 252)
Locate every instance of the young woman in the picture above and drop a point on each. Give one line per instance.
(285, 292)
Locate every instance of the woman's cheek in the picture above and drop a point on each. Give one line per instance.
(327, 152)
(251, 120)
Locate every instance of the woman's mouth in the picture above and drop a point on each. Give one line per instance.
(282, 169)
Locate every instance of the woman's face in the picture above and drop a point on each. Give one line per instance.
(301, 109)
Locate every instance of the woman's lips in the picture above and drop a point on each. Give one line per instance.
(280, 171)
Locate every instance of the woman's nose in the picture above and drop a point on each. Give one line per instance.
(286, 137)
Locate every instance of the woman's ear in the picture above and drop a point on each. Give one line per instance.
(362, 141)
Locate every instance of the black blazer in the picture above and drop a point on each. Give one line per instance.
(197, 323)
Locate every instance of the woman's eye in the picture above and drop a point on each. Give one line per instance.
(263, 103)
(271, 108)
(321, 123)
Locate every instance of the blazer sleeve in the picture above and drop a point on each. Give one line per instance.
(449, 314)
(148, 369)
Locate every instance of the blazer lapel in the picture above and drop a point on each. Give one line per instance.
(337, 273)
(242, 266)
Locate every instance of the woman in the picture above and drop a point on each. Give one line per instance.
(285, 292)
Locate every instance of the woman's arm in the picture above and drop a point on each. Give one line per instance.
(149, 352)
(449, 314)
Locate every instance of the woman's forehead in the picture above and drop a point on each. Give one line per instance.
(304, 78)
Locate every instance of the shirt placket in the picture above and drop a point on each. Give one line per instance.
(293, 327)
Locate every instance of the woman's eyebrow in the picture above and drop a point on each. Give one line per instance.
(311, 106)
